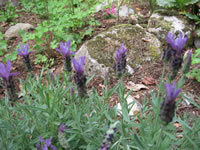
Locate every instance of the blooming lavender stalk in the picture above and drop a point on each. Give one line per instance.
(80, 78)
(46, 144)
(187, 63)
(168, 106)
(175, 53)
(25, 54)
(65, 51)
(108, 137)
(120, 60)
(8, 80)
(61, 136)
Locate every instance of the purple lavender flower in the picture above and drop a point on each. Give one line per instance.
(175, 53)
(108, 137)
(178, 43)
(187, 64)
(168, 106)
(62, 128)
(24, 50)
(65, 51)
(78, 65)
(120, 60)
(38, 146)
(5, 71)
(80, 78)
(25, 54)
(46, 144)
(8, 81)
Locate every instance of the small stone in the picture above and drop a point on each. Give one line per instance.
(132, 103)
(12, 32)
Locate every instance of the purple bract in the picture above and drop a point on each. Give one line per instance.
(5, 71)
(178, 43)
(24, 50)
(47, 143)
(62, 128)
(78, 65)
(171, 91)
(120, 53)
(65, 49)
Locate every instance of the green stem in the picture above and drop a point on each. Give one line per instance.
(161, 81)
(160, 138)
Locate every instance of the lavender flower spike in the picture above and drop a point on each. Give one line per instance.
(62, 128)
(5, 71)
(46, 143)
(24, 50)
(120, 60)
(65, 51)
(80, 78)
(168, 106)
(178, 43)
(8, 81)
(25, 54)
(108, 137)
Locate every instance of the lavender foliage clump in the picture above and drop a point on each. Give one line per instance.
(65, 51)
(108, 137)
(79, 76)
(174, 52)
(45, 144)
(120, 60)
(25, 54)
(8, 82)
(168, 106)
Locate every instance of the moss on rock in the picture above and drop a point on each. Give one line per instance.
(103, 46)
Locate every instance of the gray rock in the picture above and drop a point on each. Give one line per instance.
(99, 51)
(12, 32)
(104, 4)
(160, 25)
(124, 11)
(13, 2)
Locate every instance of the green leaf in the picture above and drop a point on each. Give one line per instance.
(191, 16)
(166, 3)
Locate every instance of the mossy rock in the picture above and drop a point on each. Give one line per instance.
(160, 25)
(99, 51)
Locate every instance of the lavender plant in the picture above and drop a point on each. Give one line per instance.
(79, 76)
(120, 60)
(108, 137)
(25, 54)
(8, 82)
(174, 53)
(45, 144)
(66, 53)
(168, 106)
